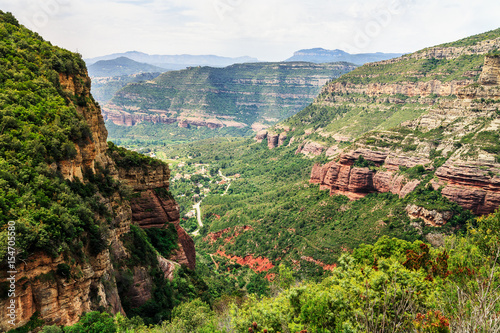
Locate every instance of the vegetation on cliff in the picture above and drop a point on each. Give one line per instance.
(382, 95)
(39, 127)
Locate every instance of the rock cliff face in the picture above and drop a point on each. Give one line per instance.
(342, 177)
(462, 132)
(43, 285)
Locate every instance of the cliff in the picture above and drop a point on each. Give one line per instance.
(242, 95)
(62, 274)
(456, 141)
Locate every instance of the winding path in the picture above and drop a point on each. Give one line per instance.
(196, 206)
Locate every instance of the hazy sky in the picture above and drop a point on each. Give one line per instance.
(266, 29)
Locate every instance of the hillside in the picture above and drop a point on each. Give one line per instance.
(242, 96)
(120, 67)
(104, 88)
(84, 225)
(435, 110)
(416, 149)
(175, 62)
(319, 55)
(370, 241)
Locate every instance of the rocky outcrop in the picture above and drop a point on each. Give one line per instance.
(443, 52)
(491, 71)
(466, 138)
(310, 148)
(474, 186)
(411, 89)
(260, 136)
(131, 117)
(343, 177)
(433, 217)
(58, 298)
(153, 209)
(93, 150)
(281, 139)
(272, 140)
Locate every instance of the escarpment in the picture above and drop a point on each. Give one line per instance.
(81, 275)
(456, 142)
(242, 95)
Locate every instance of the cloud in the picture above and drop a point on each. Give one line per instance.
(268, 29)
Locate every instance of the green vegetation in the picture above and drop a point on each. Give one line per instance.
(104, 88)
(127, 159)
(362, 163)
(472, 40)
(274, 198)
(392, 285)
(355, 111)
(246, 93)
(149, 135)
(39, 127)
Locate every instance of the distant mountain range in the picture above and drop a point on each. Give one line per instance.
(319, 55)
(174, 62)
(121, 66)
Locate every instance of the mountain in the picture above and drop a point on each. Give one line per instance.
(240, 96)
(319, 55)
(120, 67)
(430, 117)
(174, 62)
(95, 225)
(104, 88)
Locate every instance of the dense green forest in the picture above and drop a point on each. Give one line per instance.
(40, 125)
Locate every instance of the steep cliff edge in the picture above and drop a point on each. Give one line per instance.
(74, 208)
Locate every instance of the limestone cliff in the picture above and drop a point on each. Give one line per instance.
(242, 95)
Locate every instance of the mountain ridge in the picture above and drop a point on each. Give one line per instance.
(242, 96)
(321, 55)
(175, 62)
(121, 66)
(439, 103)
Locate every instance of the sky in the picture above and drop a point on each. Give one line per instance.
(270, 30)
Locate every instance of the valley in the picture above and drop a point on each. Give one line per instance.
(257, 197)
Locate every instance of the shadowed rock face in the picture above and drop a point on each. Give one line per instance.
(150, 210)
